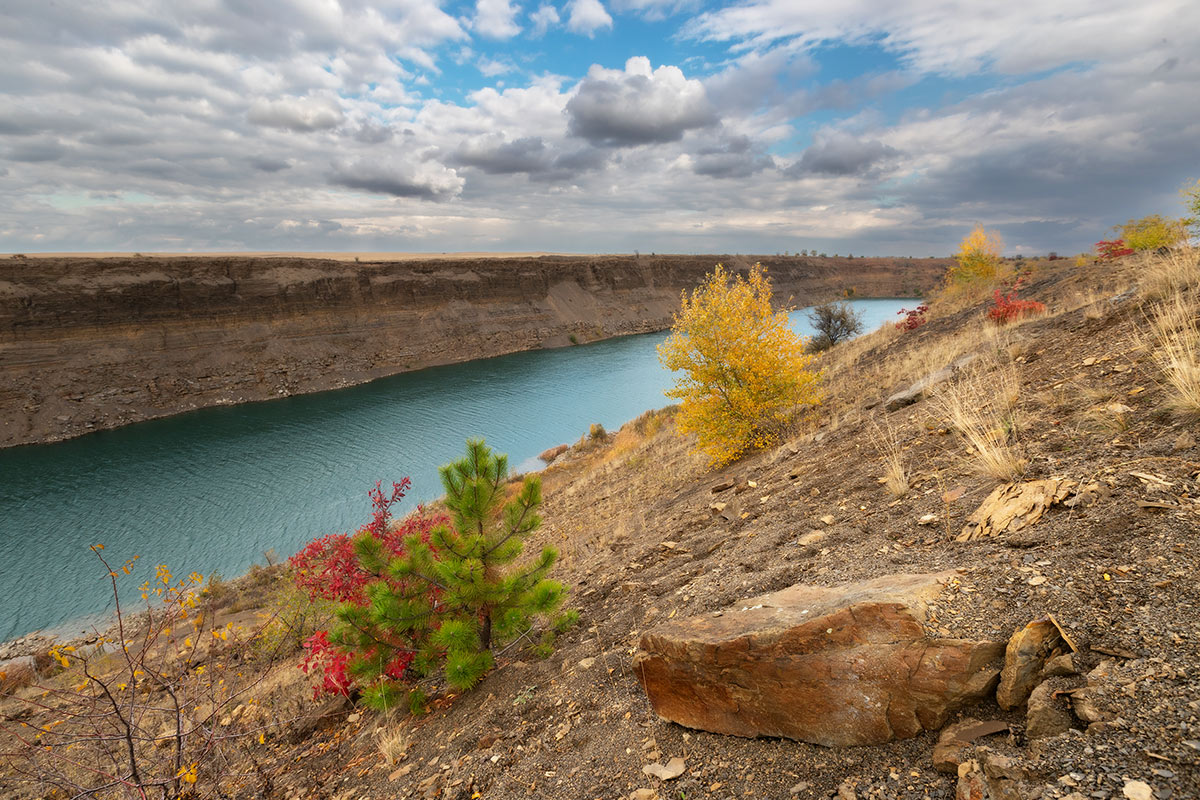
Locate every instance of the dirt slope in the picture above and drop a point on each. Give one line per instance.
(641, 543)
(93, 343)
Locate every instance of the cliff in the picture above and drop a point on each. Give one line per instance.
(91, 343)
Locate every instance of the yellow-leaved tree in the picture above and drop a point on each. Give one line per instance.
(978, 257)
(1153, 232)
(745, 372)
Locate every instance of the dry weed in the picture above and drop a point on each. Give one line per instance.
(888, 444)
(982, 407)
(1161, 276)
(1174, 340)
(393, 743)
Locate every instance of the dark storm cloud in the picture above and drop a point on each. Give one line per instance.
(528, 155)
(637, 106)
(36, 151)
(269, 164)
(841, 155)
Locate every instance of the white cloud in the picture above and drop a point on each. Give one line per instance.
(587, 17)
(945, 36)
(491, 67)
(296, 114)
(545, 18)
(638, 105)
(496, 19)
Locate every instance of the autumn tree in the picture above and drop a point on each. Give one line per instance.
(1152, 232)
(833, 322)
(978, 257)
(1191, 199)
(745, 372)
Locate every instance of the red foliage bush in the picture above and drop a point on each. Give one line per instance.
(913, 317)
(1114, 249)
(1008, 307)
(328, 568)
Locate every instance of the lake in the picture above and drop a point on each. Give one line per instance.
(213, 490)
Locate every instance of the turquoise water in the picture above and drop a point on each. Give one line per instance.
(213, 490)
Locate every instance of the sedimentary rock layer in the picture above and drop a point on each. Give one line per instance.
(91, 343)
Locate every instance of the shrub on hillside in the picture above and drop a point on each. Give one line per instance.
(1008, 307)
(1115, 248)
(435, 591)
(1153, 232)
(745, 372)
(833, 322)
(978, 258)
(156, 707)
(913, 317)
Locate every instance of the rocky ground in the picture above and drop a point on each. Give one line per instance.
(1095, 576)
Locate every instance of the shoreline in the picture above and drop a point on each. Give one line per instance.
(96, 344)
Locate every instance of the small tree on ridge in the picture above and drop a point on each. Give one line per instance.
(745, 372)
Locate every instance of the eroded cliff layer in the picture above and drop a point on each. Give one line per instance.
(93, 343)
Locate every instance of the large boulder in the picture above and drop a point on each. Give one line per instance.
(836, 666)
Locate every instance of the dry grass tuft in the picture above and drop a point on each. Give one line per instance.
(393, 743)
(1174, 340)
(888, 444)
(982, 407)
(1160, 277)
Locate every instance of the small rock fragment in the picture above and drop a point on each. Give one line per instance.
(1060, 665)
(1138, 790)
(947, 753)
(672, 770)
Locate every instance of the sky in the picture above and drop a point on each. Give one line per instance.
(871, 127)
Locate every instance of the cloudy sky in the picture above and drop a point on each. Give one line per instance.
(862, 126)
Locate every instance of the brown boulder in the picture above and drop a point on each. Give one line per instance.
(840, 666)
(1046, 715)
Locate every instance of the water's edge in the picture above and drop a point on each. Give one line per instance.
(214, 489)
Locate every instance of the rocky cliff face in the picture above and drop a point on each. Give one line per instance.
(92, 343)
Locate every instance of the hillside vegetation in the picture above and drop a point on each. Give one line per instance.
(1096, 392)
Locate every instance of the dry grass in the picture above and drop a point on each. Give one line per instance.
(982, 407)
(1174, 341)
(888, 444)
(1112, 417)
(393, 742)
(1160, 277)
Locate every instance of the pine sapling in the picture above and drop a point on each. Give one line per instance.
(459, 591)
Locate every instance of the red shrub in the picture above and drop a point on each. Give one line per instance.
(913, 317)
(328, 568)
(1008, 307)
(1114, 249)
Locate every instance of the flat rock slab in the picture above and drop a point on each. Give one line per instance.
(835, 666)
